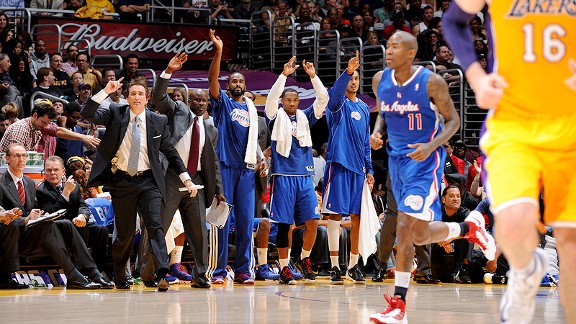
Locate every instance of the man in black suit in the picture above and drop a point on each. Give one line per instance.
(59, 239)
(57, 192)
(203, 166)
(128, 162)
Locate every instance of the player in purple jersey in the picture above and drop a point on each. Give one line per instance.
(410, 110)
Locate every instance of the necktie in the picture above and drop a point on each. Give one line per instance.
(194, 149)
(134, 148)
(59, 189)
(21, 193)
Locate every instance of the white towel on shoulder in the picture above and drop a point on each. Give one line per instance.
(369, 224)
(252, 146)
(282, 131)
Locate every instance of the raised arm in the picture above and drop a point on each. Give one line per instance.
(339, 89)
(162, 101)
(278, 87)
(214, 70)
(322, 97)
(92, 112)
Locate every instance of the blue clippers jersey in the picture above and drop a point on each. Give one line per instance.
(349, 127)
(409, 114)
(233, 121)
(299, 161)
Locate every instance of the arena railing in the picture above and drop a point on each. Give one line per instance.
(48, 30)
(107, 61)
(260, 49)
(304, 41)
(243, 41)
(473, 118)
(82, 44)
(372, 61)
(328, 48)
(282, 44)
(174, 12)
(44, 95)
(455, 80)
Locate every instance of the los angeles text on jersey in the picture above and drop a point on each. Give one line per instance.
(522, 8)
(399, 108)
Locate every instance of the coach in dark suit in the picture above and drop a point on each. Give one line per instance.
(128, 162)
(53, 194)
(188, 129)
(58, 239)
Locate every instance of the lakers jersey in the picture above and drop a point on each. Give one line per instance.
(410, 116)
(533, 42)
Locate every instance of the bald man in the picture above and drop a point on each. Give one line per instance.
(195, 141)
(410, 99)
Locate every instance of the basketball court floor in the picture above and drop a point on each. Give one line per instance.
(266, 302)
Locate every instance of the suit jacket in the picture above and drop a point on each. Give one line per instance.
(9, 197)
(116, 119)
(180, 118)
(50, 200)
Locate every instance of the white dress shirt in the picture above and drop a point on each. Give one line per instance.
(124, 150)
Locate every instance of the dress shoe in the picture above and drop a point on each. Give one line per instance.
(122, 285)
(200, 282)
(163, 285)
(87, 284)
(150, 283)
(104, 283)
(426, 279)
(379, 275)
(12, 284)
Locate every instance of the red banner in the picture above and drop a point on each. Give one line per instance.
(148, 41)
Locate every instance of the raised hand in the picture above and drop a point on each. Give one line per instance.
(309, 69)
(353, 64)
(176, 62)
(112, 86)
(290, 67)
(216, 40)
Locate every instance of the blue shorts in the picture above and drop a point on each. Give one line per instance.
(293, 200)
(342, 192)
(416, 185)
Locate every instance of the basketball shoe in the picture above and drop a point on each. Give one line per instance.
(477, 234)
(395, 313)
(517, 305)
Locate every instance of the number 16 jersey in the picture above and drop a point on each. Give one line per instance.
(409, 114)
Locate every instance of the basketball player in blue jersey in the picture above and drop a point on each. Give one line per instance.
(348, 164)
(293, 199)
(237, 121)
(410, 100)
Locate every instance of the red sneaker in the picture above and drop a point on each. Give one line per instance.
(478, 235)
(395, 313)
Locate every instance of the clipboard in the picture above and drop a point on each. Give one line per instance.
(218, 215)
(47, 217)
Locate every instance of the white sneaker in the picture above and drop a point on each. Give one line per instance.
(517, 305)
(477, 234)
(394, 314)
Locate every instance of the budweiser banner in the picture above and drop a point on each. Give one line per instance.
(148, 41)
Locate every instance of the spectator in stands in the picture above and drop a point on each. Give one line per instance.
(17, 51)
(85, 94)
(427, 14)
(45, 83)
(70, 65)
(73, 93)
(57, 192)
(483, 62)
(134, 10)
(343, 21)
(91, 76)
(61, 79)
(244, 10)
(23, 36)
(130, 71)
(8, 90)
(95, 9)
(22, 80)
(452, 211)
(462, 151)
(4, 21)
(198, 13)
(59, 109)
(325, 8)
(47, 4)
(219, 9)
(458, 163)
(397, 6)
(39, 58)
(12, 112)
(397, 24)
(28, 131)
(358, 29)
(443, 7)
(74, 4)
(108, 74)
(4, 123)
(427, 48)
(443, 62)
(68, 148)
(58, 238)
(477, 30)
(368, 17)
(481, 47)
(414, 10)
(385, 12)
(6, 38)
